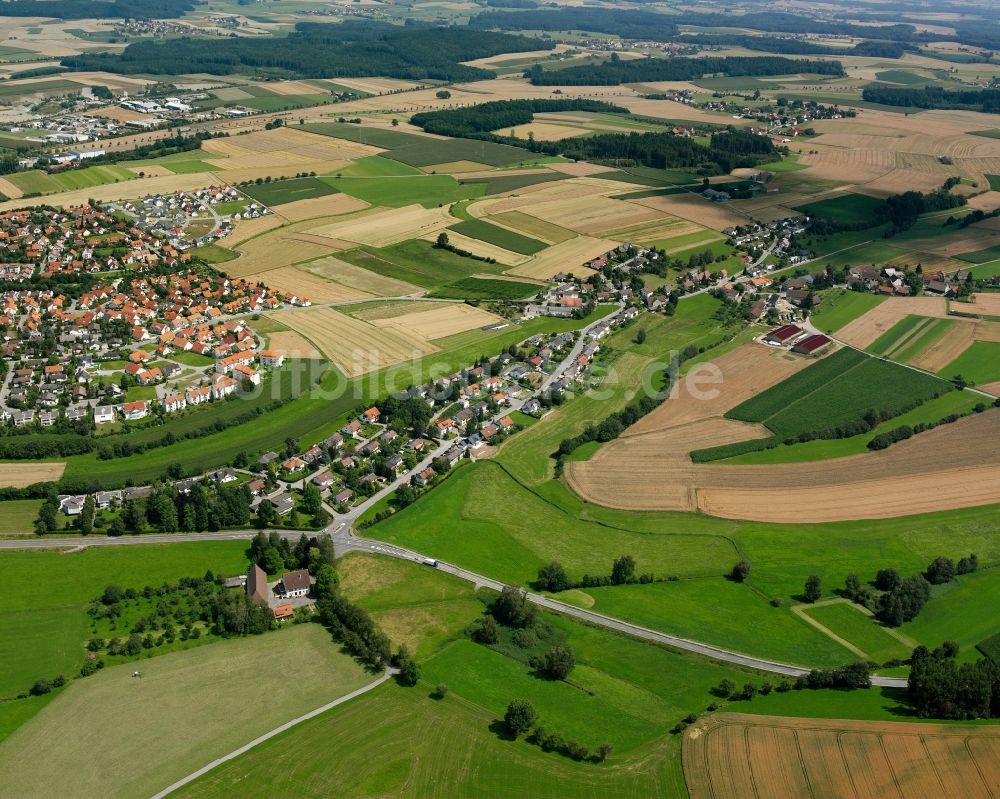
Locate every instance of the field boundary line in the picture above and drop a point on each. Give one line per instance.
(276, 731)
(800, 611)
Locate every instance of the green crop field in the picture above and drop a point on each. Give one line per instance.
(474, 288)
(953, 402)
(959, 600)
(919, 344)
(836, 390)
(502, 183)
(993, 179)
(190, 707)
(428, 190)
(417, 262)
(214, 253)
(723, 613)
(501, 237)
(863, 631)
(891, 337)
(846, 209)
(17, 517)
(376, 137)
(43, 621)
(815, 377)
(441, 151)
(60, 85)
(285, 102)
(980, 256)
(902, 77)
(375, 166)
(412, 603)
(286, 191)
(979, 364)
(842, 306)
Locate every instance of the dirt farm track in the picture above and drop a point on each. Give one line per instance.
(733, 756)
(648, 467)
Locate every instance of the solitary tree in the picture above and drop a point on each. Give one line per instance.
(814, 588)
(623, 570)
(557, 663)
(552, 577)
(442, 240)
(519, 717)
(741, 571)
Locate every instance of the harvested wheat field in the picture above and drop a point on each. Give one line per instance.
(359, 278)
(389, 225)
(533, 227)
(252, 167)
(567, 257)
(355, 346)
(281, 247)
(370, 311)
(19, 475)
(556, 193)
(649, 468)
(659, 229)
(248, 228)
(292, 345)
(865, 329)
(283, 145)
(446, 319)
(330, 205)
(578, 168)
(732, 756)
(296, 281)
(288, 87)
(956, 341)
(694, 208)
(9, 189)
(542, 131)
(377, 85)
(463, 168)
(592, 214)
(984, 304)
(848, 165)
(149, 171)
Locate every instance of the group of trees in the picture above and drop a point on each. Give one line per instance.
(552, 576)
(486, 117)
(786, 46)
(647, 70)
(521, 716)
(901, 599)
(99, 9)
(938, 687)
(985, 100)
(354, 48)
(727, 148)
(273, 553)
(903, 210)
(614, 21)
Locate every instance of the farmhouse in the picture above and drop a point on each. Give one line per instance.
(786, 334)
(294, 584)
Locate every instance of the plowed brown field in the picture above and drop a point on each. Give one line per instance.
(649, 467)
(733, 756)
